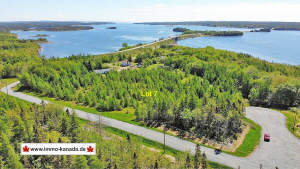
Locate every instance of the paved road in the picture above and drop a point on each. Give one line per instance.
(283, 150)
(145, 45)
(149, 44)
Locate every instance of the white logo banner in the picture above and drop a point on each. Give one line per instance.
(58, 149)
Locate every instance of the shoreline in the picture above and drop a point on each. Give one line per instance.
(151, 43)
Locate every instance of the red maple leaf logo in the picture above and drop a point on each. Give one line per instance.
(25, 149)
(90, 149)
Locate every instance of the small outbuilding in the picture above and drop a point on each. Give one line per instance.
(125, 64)
(102, 71)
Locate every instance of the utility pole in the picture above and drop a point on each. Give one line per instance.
(99, 124)
(164, 138)
(294, 121)
(295, 111)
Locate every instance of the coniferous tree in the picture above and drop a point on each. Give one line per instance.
(128, 138)
(156, 165)
(135, 165)
(6, 150)
(64, 126)
(74, 128)
(204, 162)
(187, 162)
(68, 112)
(109, 166)
(197, 158)
(60, 140)
(80, 162)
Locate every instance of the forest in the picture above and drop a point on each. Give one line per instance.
(202, 91)
(182, 101)
(186, 31)
(24, 122)
(16, 55)
(60, 28)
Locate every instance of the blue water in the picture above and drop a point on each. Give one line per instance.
(277, 46)
(98, 40)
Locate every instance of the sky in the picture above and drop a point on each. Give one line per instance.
(150, 10)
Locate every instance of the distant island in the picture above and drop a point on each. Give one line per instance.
(40, 35)
(179, 29)
(113, 27)
(60, 28)
(295, 26)
(186, 31)
(42, 40)
(48, 26)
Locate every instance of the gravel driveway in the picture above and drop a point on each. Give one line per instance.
(283, 150)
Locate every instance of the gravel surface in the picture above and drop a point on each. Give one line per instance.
(283, 150)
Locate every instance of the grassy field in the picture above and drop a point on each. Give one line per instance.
(289, 115)
(251, 140)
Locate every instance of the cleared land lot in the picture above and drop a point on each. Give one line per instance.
(283, 150)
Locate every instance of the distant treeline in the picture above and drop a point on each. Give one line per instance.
(209, 33)
(236, 24)
(47, 26)
(60, 28)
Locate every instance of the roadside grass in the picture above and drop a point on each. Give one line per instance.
(289, 115)
(3, 82)
(251, 140)
(154, 66)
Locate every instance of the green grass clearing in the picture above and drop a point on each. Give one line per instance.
(251, 140)
(289, 116)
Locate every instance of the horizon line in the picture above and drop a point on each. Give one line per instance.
(50, 20)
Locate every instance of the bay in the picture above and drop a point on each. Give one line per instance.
(276, 46)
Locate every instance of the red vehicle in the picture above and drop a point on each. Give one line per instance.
(267, 137)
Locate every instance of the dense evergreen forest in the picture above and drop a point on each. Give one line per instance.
(186, 31)
(24, 122)
(16, 55)
(197, 90)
